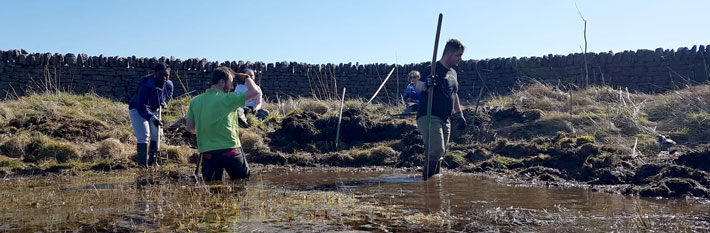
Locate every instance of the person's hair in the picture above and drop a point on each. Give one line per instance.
(244, 69)
(453, 45)
(221, 73)
(414, 74)
(160, 67)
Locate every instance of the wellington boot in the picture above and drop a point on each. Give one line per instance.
(433, 169)
(142, 155)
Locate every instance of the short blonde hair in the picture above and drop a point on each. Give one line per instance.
(414, 74)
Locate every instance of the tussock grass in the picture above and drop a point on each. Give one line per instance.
(614, 116)
(283, 107)
(24, 122)
(608, 115)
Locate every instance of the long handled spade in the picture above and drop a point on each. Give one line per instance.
(430, 99)
(157, 155)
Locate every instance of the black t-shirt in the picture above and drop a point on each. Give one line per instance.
(447, 85)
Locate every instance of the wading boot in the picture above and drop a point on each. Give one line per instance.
(153, 154)
(434, 168)
(142, 155)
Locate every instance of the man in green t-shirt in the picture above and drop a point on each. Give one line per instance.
(213, 117)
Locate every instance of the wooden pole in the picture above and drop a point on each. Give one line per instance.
(430, 98)
(340, 118)
(381, 85)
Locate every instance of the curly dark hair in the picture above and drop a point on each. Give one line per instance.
(160, 67)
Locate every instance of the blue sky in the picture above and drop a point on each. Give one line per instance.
(365, 31)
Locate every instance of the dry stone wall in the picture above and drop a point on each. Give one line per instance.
(116, 77)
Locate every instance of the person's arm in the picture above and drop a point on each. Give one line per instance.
(169, 91)
(258, 99)
(190, 126)
(252, 90)
(421, 86)
(408, 93)
(189, 120)
(457, 105)
(144, 94)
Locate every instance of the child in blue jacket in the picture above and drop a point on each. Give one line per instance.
(411, 95)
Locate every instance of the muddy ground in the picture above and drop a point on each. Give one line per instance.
(507, 142)
(551, 157)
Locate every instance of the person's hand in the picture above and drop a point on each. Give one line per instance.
(430, 82)
(156, 121)
(242, 76)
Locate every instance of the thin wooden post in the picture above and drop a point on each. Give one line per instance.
(381, 85)
(340, 118)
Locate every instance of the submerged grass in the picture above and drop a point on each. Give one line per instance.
(148, 201)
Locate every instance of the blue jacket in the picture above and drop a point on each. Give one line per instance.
(411, 95)
(148, 97)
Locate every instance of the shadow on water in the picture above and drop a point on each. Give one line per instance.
(329, 199)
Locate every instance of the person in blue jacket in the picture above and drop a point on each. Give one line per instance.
(153, 91)
(411, 95)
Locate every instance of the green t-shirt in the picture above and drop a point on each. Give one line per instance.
(215, 115)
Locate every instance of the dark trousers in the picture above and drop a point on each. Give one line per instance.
(215, 162)
(411, 108)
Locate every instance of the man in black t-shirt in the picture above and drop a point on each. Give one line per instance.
(445, 102)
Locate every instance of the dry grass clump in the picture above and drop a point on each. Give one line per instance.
(311, 105)
(612, 116)
(684, 114)
(15, 146)
(285, 106)
(42, 147)
(375, 156)
(540, 96)
(8, 162)
(56, 111)
(123, 133)
(87, 105)
(250, 141)
(326, 108)
(113, 148)
(176, 110)
(178, 154)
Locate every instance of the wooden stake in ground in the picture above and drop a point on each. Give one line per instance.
(430, 99)
(340, 118)
(381, 85)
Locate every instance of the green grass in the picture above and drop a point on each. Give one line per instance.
(455, 159)
(8, 162)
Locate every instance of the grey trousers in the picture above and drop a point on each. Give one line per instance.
(440, 131)
(143, 129)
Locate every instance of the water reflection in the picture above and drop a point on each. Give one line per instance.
(328, 199)
(466, 194)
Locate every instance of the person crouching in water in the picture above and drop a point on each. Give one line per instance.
(253, 105)
(213, 117)
(411, 95)
(153, 91)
